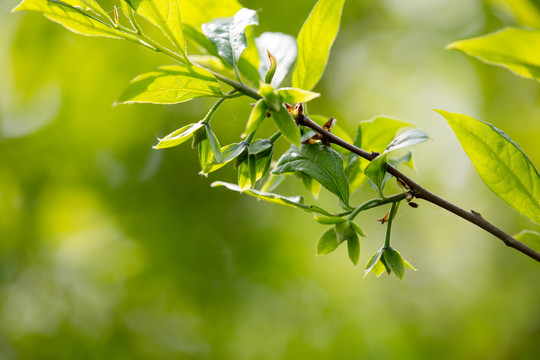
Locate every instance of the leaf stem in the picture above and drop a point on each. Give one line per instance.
(373, 203)
(393, 211)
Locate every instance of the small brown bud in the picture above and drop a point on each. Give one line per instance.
(413, 204)
(385, 218)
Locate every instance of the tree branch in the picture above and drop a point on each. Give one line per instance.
(422, 193)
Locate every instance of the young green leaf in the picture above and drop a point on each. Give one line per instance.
(229, 36)
(165, 14)
(214, 143)
(179, 136)
(171, 85)
(228, 153)
(89, 5)
(394, 262)
(357, 229)
(283, 48)
(408, 138)
(376, 172)
(206, 156)
(327, 242)
(373, 261)
(500, 162)
(353, 247)
(293, 96)
(515, 49)
(529, 238)
(256, 118)
(244, 178)
(321, 163)
(286, 125)
(314, 42)
(73, 18)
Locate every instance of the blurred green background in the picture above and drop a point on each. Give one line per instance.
(112, 250)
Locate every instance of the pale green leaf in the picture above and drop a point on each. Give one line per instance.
(197, 12)
(408, 138)
(179, 136)
(314, 42)
(89, 5)
(256, 118)
(165, 14)
(286, 125)
(321, 163)
(327, 242)
(293, 96)
(344, 231)
(372, 262)
(73, 18)
(328, 220)
(353, 247)
(244, 179)
(283, 48)
(228, 153)
(500, 162)
(214, 143)
(515, 49)
(529, 238)
(171, 85)
(229, 36)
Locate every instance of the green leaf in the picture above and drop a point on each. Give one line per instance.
(89, 5)
(198, 137)
(229, 36)
(197, 12)
(165, 14)
(372, 262)
(293, 96)
(408, 138)
(314, 42)
(321, 163)
(500, 162)
(244, 178)
(515, 49)
(171, 85)
(394, 262)
(376, 170)
(179, 136)
(228, 153)
(357, 229)
(206, 156)
(261, 150)
(286, 125)
(529, 238)
(353, 247)
(283, 48)
(327, 242)
(71, 16)
(214, 143)
(373, 136)
(256, 118)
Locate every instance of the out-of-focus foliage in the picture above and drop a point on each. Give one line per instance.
(110, 249)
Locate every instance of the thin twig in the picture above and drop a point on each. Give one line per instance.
(422, 193)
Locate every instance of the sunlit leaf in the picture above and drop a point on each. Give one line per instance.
(229, 36)
(283, 47)
(408, 138)
(353, 247)
(372, 262)
(171, 85)
(314, 42)
(293, 96)
(73, 18)
(286, 125)
(214, 143)
(256, 118)
(515, 49)
(328, 220)
(529, 238)
(321, 163)
(327, 242)
(197, 12)
(500, 162)
(179, 136)
(244, 178)
(165, 14)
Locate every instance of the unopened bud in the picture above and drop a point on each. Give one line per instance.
(272, 70)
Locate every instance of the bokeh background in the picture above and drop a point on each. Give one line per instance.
(112, 250)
